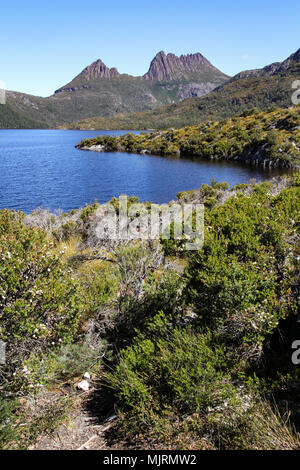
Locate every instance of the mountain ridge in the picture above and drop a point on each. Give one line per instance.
(94, 71)
(269, 70)
(164, 68)
(103, 91)
(169, 67)
(261, 88)
(100, 97)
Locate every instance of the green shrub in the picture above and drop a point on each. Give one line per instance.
(263, 188)
(241, 187)
(210, 202)
(222, 186)
(88, 211)
(179, 369)
(8, 418)
(207, 191)
(244, 274)
(159, 292)
(40, 305)
(174, 244)
(296, 179)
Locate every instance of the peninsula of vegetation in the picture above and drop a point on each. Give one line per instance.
(270, 138)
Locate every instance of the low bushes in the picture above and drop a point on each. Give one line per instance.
(264, 137)
(172, 370)
(202, 379)
(40, 305)
(190, 357)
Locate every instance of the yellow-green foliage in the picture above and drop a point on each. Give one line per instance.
(247, 250)
(40, 305)
(264, 136)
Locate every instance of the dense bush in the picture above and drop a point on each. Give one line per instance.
(177, 387)
(40, 305)
(173, 368)
(7, 421)
(243, 279)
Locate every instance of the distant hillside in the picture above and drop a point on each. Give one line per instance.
(270, 86)
(11, 119)
(102, 91)
(270, 139)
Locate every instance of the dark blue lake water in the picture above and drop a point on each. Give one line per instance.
(41, 168)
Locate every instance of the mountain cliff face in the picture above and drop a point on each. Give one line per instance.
(91, 73)
(168, 68)
(98, 70)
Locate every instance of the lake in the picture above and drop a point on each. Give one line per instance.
(42, 168)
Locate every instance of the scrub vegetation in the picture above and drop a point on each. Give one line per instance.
(270, 138)
(193, 348)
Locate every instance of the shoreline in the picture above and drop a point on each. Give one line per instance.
(242, 159)
(269, 139)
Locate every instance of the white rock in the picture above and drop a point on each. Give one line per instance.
(87, 376)
(83, 385)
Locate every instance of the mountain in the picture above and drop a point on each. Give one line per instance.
(164, 70)
(169, 68)
(271, 70)
(261, 88)
(102, 91)
(94, 71)
(11, 119)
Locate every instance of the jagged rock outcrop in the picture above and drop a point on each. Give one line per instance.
(92, 72)
(169, 67)
(98, 70)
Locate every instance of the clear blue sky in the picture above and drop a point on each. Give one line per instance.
(44, 44)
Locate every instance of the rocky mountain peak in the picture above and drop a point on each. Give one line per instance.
(98, 70)
(169, 67)
(178, 78)
(91, 73)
